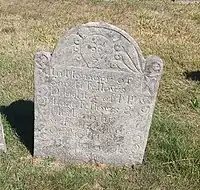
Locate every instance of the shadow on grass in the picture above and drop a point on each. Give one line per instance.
(20, 115)
(193, 75)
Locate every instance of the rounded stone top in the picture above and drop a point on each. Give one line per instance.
(99, 45)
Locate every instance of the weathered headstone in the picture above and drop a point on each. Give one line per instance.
(95, 96)
(2, 140)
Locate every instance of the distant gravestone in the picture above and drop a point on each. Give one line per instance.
(2, 140)
(94, 97)
(187, 1)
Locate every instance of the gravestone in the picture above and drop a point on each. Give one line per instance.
(94, 97)
(2, 140)
(187, 1)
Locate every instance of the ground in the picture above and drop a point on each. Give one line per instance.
(165, 28)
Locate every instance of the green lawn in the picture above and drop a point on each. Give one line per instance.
(164, 28)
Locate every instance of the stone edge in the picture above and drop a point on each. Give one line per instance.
(3, 144)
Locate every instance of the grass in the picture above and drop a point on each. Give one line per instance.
(164, 28)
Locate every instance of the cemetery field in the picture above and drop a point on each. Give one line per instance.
(168, 29)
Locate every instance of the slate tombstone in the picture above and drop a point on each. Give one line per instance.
(94, 97)
(2, 140)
